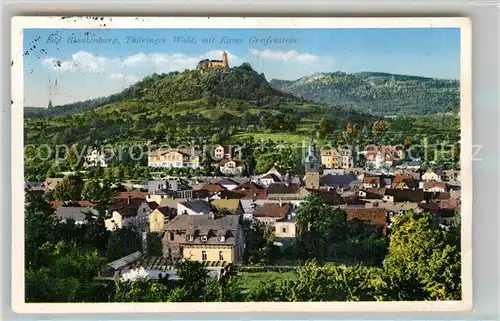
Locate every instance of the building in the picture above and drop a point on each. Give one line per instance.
(404, 181)
(268, 213)
(286, 230)
(371, 182)
(160, 217)
(169, 184)
(130, 212)
(312, 166)
(231, 205)
(285, 191)
(451, 175)
(77, 214)
(141, 221)
(204, 238)
(403, 195)
(212, 187)
(231, 167)
(433, 186)
(248, 207)
(214, 64)
(269, 179)
(330, 158)
(174, 158)
(228, 184)
(124, 196)
(251, 190)
(137, 264)
(431, 176)
(159, 189)
(95, 158)
(374, 217)
(332, 181)
(379, 157)
(195, 207)
(223, 152)
(346, 158)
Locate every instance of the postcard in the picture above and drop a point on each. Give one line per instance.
(241, 164)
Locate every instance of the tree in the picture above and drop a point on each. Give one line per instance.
(225, 290)
(73, 157)
(69, 189)
(154, 244)
(408, 141)
(142, 289)
(119, 173)
(317, 282)
(108, 174)
(122, 243)
(379, 127)
(319, 225)
(324, 128)
(420, 264)
(326, 233)
(92, 190)
(193, 278)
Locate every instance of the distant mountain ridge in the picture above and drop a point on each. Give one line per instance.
(377, 93)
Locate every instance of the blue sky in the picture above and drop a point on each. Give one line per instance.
(85, 71)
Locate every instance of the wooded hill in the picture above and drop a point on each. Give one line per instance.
(377, 93)
(180, 106)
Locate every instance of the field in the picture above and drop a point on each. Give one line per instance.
(251, 280)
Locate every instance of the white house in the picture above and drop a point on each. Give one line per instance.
(228, 184)
(346, 159)
(222, 152)
(194, 207)
(431, 176)
(95, 158)
(433, 187)
(269, 179)
(231, 167)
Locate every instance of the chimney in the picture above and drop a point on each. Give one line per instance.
(281, 203)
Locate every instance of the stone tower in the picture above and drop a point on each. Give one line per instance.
(312, 167)
(224, 60)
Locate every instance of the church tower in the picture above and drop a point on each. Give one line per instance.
(224, 60)
(312, 167)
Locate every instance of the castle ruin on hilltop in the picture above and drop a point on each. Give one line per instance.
(208, 64)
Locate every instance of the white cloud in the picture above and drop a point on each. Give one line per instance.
(290, 55)
(131, 79)
(81, 61)
(137, 65)
(162, 62)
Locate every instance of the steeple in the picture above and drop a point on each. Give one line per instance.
(312, 162)
(312, 167)
(311, 149)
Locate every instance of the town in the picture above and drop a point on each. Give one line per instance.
(205, 219)
(213, 184)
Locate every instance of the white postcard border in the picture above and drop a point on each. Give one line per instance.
(17, 158)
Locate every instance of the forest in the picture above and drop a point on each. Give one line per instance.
(380, 94)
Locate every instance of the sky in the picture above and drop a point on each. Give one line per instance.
(118, 58)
